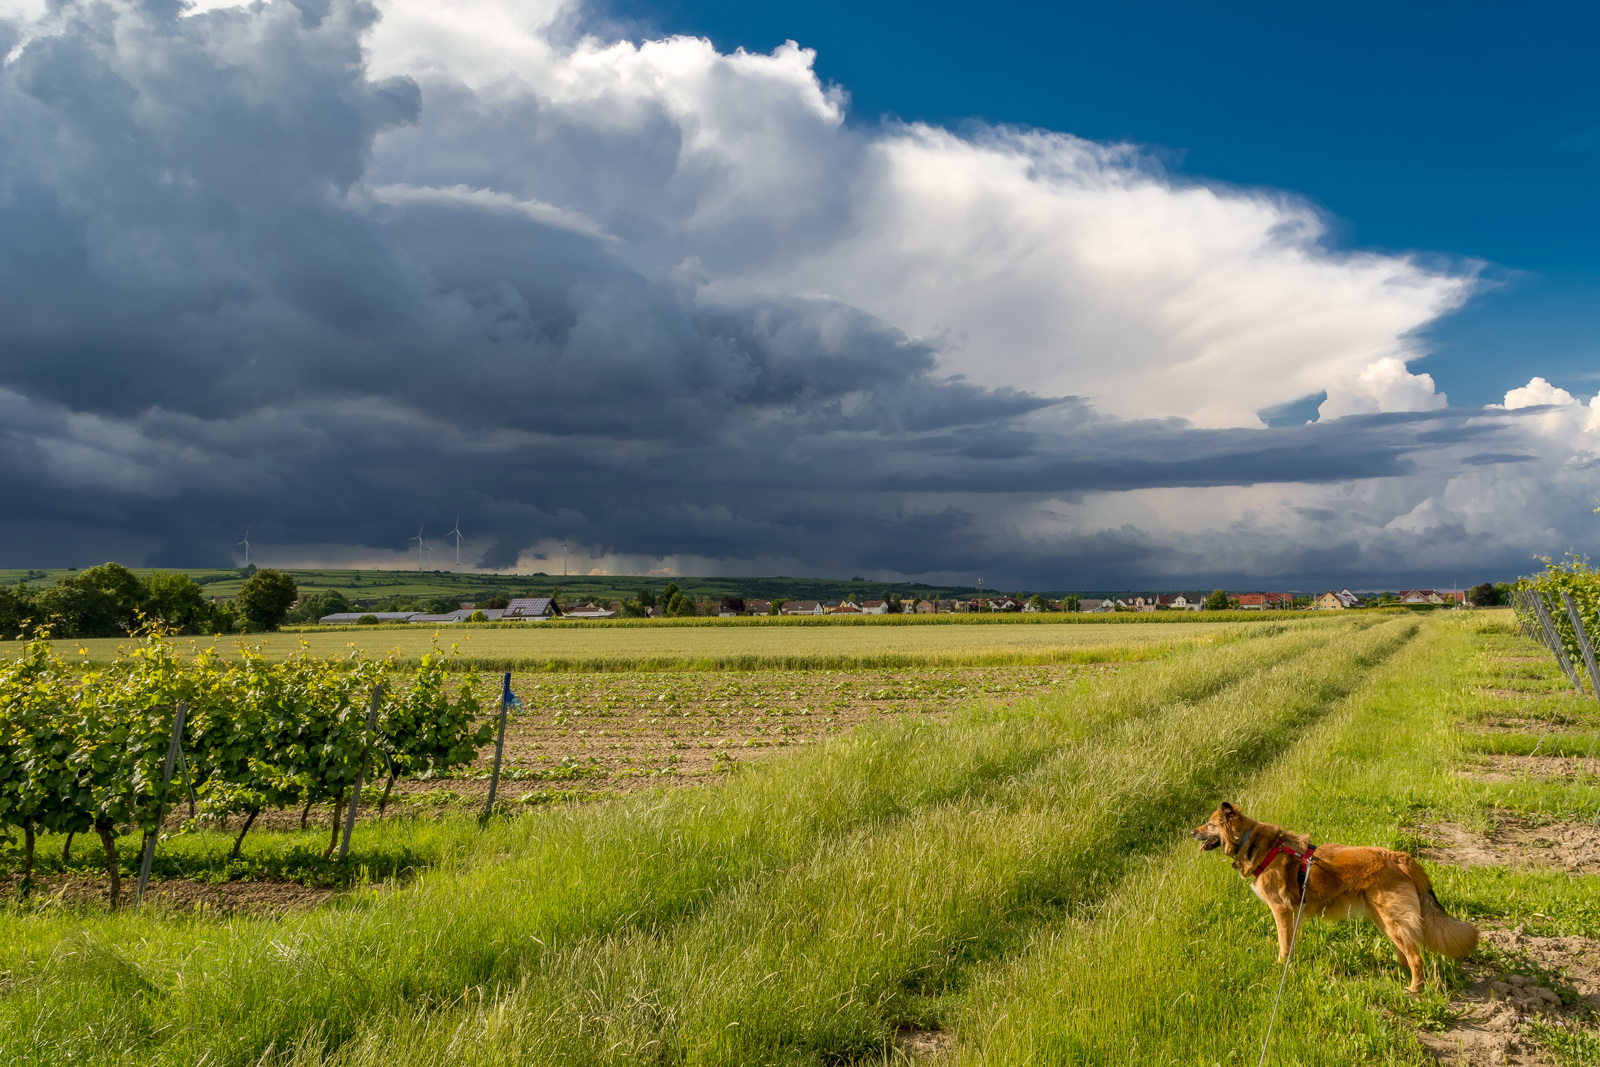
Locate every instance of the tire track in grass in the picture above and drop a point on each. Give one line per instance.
(535, 886)
(819, 963)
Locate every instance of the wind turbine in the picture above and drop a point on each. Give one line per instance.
(246, 544)
(456, 533)
(420, 542)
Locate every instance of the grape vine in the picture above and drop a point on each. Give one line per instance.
(84, 752)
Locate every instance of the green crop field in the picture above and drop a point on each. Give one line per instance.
(743, 644)
(1006, 881)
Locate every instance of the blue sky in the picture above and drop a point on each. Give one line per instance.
(1133, 296)
(1463, 129)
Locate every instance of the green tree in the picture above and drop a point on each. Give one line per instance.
(1071, 603)
(264, 600)
(1038, 603)
(647, 599)
(16, 608)
(776, 607)
(103, 601)
(313, 608)
(1216, 600)
(1484, 596)
(178, 602)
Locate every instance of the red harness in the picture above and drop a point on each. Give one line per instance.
(1303, 858)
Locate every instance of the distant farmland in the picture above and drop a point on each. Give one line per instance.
(747, 645)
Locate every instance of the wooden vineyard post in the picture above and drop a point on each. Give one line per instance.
(499, 745)
(1584, 644)
(1552, 637)
(149, 857)
(355, 796)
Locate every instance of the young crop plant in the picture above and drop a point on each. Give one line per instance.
(422, 730)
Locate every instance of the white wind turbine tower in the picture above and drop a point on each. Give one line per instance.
(420, 540)
(246, 544)
(456, 533)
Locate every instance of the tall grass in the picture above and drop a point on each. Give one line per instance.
(539, 897)
(1179, 965)
(820, 962)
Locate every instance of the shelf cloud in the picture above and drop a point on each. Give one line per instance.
(330, 269)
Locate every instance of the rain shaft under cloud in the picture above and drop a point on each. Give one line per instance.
(331, 269)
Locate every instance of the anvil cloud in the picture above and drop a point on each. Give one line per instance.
(331, 269)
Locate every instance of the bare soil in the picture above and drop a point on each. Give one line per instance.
(176, 894)
(1516, 843)
(1530, 724)
(1515, 980)
(598, 734)
(1511, 768)
(923, 1046)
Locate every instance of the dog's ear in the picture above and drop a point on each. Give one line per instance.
(1227, 809)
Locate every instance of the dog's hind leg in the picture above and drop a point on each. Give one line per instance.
(1399, 914)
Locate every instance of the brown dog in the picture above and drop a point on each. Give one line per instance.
(1338, 882)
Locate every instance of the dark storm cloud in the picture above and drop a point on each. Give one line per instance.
(215, 317)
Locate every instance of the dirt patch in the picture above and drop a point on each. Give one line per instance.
(1515, 843)
(1532, 692)
(1517, 985)
(1511, 768)
(1528, 724)
(915, 1043)
(177, 894)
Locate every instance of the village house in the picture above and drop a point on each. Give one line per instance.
(1432, 596)
(587, 611)
(1265, 601)
(531, 609)
(758, 607)
(1340, 601)
(802, 607)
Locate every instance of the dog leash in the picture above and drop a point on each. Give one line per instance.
(1294, 942)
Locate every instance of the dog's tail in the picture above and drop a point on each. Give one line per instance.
(1441, 931)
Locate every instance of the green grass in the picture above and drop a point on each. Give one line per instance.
(1018, 877)
(544, 646)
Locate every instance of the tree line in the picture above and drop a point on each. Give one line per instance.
(112, 601)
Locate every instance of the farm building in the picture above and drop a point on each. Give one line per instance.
(350, 618)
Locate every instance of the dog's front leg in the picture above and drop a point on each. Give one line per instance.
(1284, 917)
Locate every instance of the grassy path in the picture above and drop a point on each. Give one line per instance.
(1180, 964)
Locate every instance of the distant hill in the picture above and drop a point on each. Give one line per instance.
(373, 585)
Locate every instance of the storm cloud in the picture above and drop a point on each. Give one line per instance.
(331, 270)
